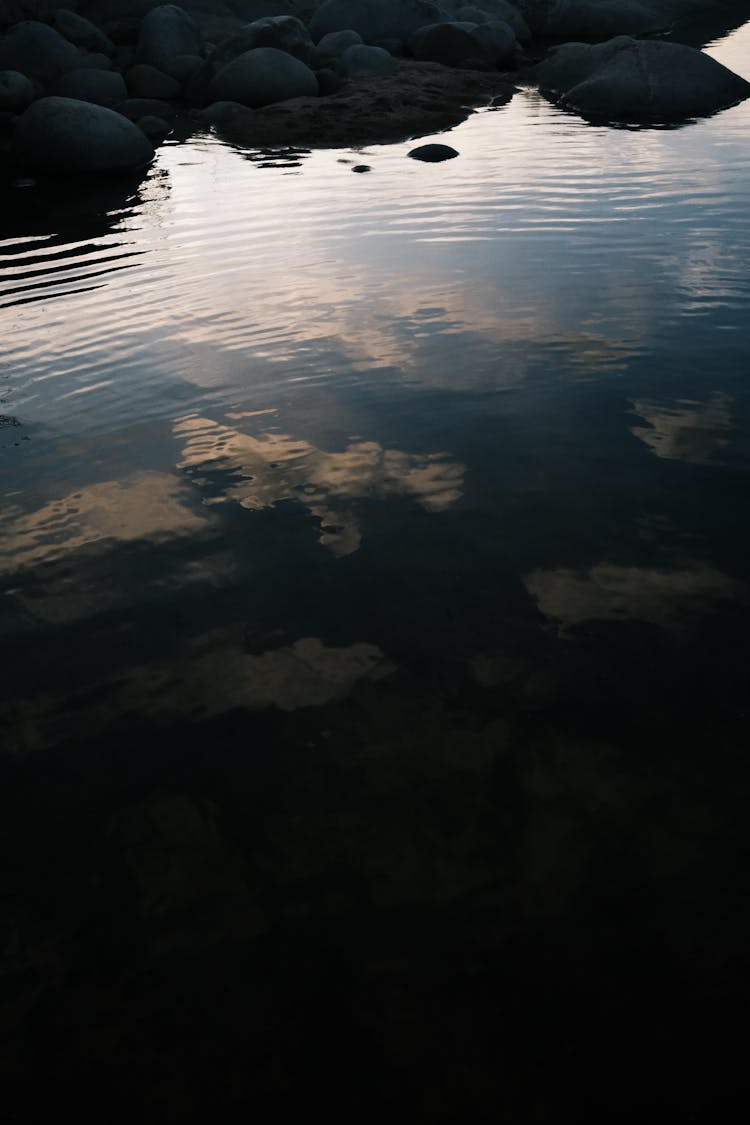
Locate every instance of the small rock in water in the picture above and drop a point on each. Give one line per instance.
(361, 168)
(433, 153)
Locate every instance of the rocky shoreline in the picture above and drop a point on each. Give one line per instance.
(97, 86)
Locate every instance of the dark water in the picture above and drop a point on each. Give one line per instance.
(374, 617)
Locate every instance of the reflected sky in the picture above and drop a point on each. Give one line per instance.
(430, 413)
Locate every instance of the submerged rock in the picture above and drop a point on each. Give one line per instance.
(63, 135)
(638, 80)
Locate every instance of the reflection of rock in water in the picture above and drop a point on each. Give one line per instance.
(606, 591)
(276, 467)
(688, 431)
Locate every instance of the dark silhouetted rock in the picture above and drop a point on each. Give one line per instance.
(82, 32)
(136, 108)
(359, 61)
(146, 81)
(38, 51)
(102, 87)
(16, 91)
(62, 135)
(261, 77)
(433, 154)
(165, 33)
(375, 20)
(638, 80)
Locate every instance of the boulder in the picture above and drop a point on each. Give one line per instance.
(62, 135)
(155, 128)
(38, 51)
(146, 81)
(218, 113)
(374, 20)
(433, 154)
(359, 61)
(497, 40)
(165, 33)
(628, 79)
(136, 108)
(285, 33)
(94, 61)
(261, 77)
(332, 46)
(485, 11)
(16, 91)
(101, 87)
(183, 67)
(452, 44)
(82, 32)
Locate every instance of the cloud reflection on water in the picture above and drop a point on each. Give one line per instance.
(275, 467)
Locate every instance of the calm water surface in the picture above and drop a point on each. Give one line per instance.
(374, 563)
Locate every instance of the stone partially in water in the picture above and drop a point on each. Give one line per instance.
(64, 135)
(629, 80)
(433, 154)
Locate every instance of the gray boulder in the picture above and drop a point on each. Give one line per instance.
(82, 32)
(94, 61)
(101, 87)
(38, 51)
(16, 91)
(359, 61)
(183, 67)
(498, 41)
(137, 108)
(375, 20)
(165, 33)
(638, 80)
(261, 77)
(452, 44)
(284, 33)
(333, 45)
(485, 11)
(63, 135)
(218, 113)
(146, 81)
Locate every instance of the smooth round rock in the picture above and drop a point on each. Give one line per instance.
(145, 81)
(63, 135)
(38, 51)
(433, 154)
(165, 33)
(261, 77)
(101, 87)
(82, 32)
(16, 91)
(359, 61)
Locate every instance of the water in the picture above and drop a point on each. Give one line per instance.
(375, 606)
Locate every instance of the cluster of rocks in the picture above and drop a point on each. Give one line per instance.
(93, 87)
